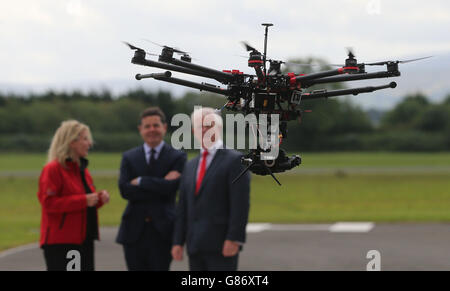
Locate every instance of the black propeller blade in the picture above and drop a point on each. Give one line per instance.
(137, 48)
(248, 47)
(384, 62)
(132, 46)
(350, 53)
(397, 62)
(175, 50)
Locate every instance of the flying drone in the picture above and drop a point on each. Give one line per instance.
(267, 92)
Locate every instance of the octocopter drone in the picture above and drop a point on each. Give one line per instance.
(268, 92)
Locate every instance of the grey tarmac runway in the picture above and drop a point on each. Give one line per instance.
(273, 247)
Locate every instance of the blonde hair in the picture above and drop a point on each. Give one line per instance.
(68, 132)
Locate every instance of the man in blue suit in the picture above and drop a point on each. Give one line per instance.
(149, 179)
(212, 212)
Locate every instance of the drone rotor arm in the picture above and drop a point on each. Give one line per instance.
(167, 66)
(323, 74)
(213, 73)
(353, 91)
(201, 87)
(352, 77)
(166, 74)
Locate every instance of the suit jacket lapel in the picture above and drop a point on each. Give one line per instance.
(142, 161)
(163, 149)
(193, 178)
(211, 169)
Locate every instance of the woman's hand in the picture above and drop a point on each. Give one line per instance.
(104, 196)
(92, 199)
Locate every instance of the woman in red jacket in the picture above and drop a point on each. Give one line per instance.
(69, 200)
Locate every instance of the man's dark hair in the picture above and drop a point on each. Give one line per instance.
(151, 111)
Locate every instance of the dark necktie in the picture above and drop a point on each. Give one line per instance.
(152, 157)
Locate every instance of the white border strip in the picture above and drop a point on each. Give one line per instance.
(338, 227)
(301, 227)
(258, 227)
(352, 227)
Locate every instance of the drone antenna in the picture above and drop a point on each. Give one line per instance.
(265, 45)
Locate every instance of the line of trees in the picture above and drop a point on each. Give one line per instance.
(415, 124)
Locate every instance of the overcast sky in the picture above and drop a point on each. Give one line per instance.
(50, 43)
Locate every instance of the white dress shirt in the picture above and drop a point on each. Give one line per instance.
(211, 153)
(148, 151)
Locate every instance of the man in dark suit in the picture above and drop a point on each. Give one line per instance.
(212, 212)
(149, 179)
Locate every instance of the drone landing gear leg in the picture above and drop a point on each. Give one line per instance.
(243, 172)
(264, 166)
(271, 174)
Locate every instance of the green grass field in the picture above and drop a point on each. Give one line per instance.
(421, 196)
(11, 162)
